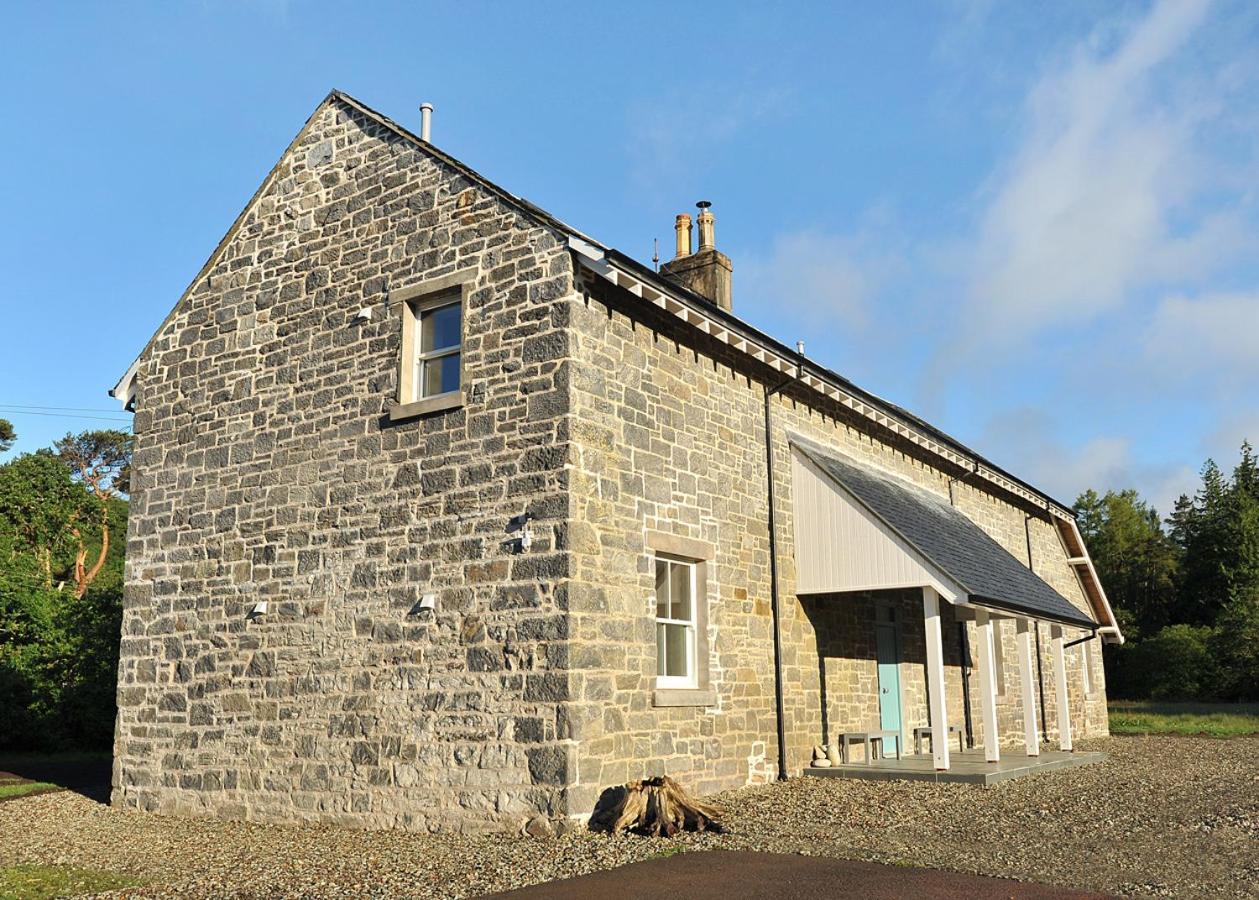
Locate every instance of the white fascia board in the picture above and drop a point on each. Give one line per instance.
(125, 390)
(587, 249)
(1113, 628)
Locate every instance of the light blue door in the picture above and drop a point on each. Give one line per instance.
(889, 683)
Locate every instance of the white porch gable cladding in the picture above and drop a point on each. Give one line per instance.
(861, 530)
(842, 546)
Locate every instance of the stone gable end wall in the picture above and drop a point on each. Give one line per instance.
(669, 431)
(268, 470)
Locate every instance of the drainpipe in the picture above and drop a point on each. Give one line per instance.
(780, 716)
(964, 656)
(1040, 666)
(964, 644)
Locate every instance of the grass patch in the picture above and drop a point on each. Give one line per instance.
(41, 882)
(1210, 719)
(22, 788)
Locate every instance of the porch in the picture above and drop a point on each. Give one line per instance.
(967, 767)
(899, 586)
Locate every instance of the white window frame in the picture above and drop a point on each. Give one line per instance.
(691, 678)
(418, 310)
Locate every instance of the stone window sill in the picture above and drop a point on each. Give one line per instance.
(683, 697)
(439, 403)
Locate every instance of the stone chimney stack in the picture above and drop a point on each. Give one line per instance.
(706, 271)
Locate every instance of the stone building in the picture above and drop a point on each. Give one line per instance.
(446, 516)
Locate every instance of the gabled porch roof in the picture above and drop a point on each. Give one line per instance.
(909, 530)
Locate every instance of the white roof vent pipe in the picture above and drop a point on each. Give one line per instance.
(426, 122)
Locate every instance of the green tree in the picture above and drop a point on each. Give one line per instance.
(1241, 562)
(39, 506)
(1136, 560)
(7, 435)
(101, 462)
(58, 648)
(1176, 663)
(1235, 649)
(1203, 533)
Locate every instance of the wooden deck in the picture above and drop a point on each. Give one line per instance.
(965, 768)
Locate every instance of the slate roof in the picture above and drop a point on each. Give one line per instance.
(988, 573)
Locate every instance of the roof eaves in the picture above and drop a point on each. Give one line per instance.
(890, 410)
(1082, 621)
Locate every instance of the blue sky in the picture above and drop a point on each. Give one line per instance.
(1035, 224)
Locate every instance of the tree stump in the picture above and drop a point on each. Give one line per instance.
(658, 807)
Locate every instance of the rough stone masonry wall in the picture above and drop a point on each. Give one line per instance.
(669, 437)
(268, 470)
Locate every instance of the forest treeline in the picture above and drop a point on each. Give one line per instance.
(1185, 589)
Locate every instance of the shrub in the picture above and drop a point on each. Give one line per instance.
(1235, 647)
(1177, 663)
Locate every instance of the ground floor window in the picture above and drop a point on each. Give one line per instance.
(675, 623)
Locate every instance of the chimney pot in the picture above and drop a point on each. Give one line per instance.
(707, 241)
(682, 227)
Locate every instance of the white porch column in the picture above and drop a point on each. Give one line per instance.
(987, 685)
(935, 678)
(1031, 734)
(1060, 674)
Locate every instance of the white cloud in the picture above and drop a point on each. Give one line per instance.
(1216, 333)
(669, 133)
(1099, 198)
(825, 280)
(1226, 440)
(1024, 441)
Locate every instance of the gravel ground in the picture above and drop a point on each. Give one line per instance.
(1163, 816)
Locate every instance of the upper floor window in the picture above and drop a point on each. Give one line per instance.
(675, 623)
(437, 362)
(430, 377)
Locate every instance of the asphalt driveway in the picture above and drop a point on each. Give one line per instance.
(728, 874)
